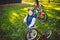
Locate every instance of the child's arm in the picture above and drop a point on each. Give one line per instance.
(25, 19)
(32, 23)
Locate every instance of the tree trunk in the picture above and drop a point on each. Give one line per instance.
(37, 2)
(53, 0)
(20, 1)
(48, 1)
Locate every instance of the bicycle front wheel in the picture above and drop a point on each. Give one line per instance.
(31, 34)
(43, 16)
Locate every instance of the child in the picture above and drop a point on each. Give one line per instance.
(30, 18)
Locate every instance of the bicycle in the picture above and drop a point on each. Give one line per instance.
(35, 33)
(41, 13)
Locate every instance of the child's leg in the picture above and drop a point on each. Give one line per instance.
(32, 34)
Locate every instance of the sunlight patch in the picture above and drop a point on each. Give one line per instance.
(53, 16)
(15, 14)
(13, 17)
(58, 17)
(50, 15)
(25, 8)
(49, 6)
(57, 8)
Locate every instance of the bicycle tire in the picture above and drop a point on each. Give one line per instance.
(49, 33)
(44, 18)
(29, 31)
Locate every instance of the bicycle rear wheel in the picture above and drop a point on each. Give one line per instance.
(48, 33)
(31, 34)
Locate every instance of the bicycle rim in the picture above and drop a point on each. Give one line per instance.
(44, 17)
(48, 32)
(32, 35)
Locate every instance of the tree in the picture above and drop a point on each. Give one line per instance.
(37, 2)
(48, 1)
(20, 1)
(53, 0)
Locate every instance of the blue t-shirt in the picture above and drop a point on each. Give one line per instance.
(29, 18)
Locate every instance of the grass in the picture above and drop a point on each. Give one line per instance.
(11, 21)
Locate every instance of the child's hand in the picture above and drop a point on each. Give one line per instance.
(24, 21)
(29, 26)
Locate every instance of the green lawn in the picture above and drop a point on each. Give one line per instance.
(11, 21)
